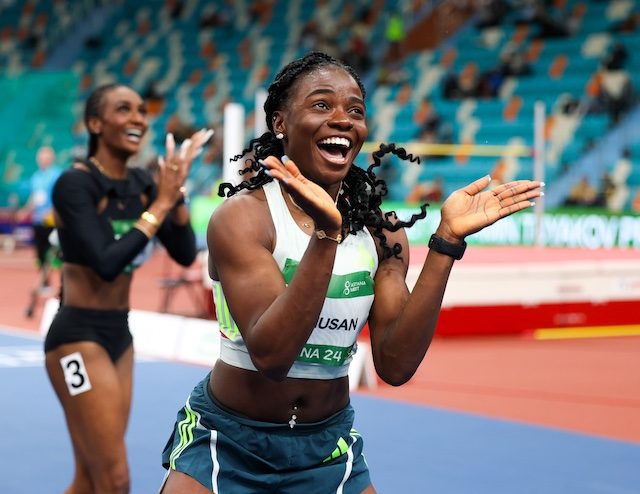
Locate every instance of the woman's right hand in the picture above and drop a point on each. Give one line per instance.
(175, 165)
(313, 199)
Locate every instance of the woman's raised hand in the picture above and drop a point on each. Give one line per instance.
(310, 197)
(175, 165)
(474, 207)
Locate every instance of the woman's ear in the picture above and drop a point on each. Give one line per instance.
(278, 123)
(94, 126)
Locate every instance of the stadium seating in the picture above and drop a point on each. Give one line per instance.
(199, 67)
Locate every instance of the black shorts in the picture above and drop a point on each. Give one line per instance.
(41, 242)
(108, 328)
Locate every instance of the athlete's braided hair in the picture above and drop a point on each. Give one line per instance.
(93, 108)
(362, 192)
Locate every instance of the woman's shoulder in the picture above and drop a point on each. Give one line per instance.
(78, 173)
(76, 180)
(249, 200)
(246, 210)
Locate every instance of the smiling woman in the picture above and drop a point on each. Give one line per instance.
(302, 257)
(105, 214)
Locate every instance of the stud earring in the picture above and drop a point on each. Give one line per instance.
(280, 135)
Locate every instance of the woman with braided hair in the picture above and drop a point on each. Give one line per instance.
(302, 257)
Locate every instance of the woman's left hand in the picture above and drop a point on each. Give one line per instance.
(175, 166)
(472, 208)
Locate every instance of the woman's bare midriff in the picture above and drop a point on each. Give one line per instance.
(83, 288)
(252, 395)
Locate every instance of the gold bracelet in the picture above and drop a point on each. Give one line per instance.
(321, 234)
(141, 228)
(150, 218)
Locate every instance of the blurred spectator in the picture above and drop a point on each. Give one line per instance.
(617, 57)
(261, 11)
(550, 24)
(309, 35)
(153, 91)
(513, 62)
(464, 85)
(429, 121)
(489, 13)
(582, 194)
(215, 15)
(628, 25)
(427, 192)
(154, 95)
(614, 92)
(431, 129)
(175, 8)
(395, 34)
(40, 207)
(391, 72)
(617, 192)
(356, 54)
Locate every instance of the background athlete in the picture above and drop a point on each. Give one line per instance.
(106, 215)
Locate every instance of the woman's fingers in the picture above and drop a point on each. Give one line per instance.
(188, 150)
(515, 187)
(283, 170)
(170, 146)
(184, 149)
(479, 185)
(193, 146)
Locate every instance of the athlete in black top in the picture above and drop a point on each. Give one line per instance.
(106, 214)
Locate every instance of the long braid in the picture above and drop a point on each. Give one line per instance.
(362, 191)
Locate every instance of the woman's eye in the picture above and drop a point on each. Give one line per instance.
(321, 104)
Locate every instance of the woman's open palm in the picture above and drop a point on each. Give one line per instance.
(309, 196)
(472, 208)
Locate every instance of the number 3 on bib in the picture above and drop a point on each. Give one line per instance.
(75, 373)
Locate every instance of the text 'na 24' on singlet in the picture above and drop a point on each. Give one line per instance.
(330, 348)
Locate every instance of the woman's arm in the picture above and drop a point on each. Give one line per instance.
(402, 325)
(178, 237)
(75, 198)
(275, 320)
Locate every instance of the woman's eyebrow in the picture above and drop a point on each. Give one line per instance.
(352, 99)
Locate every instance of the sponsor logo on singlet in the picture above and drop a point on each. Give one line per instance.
(356, 284)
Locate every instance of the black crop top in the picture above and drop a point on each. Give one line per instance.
(107, 241)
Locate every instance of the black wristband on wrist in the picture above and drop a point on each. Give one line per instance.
(441, 246)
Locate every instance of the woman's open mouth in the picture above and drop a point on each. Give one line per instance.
(335, 149)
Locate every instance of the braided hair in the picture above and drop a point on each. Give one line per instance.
(362, 191)
(93, 108)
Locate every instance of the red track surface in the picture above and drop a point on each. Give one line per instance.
(590, 385)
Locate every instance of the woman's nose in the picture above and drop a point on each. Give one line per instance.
(341, 119)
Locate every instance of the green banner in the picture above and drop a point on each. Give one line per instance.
(562, 228)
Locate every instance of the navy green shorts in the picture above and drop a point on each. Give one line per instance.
(229, 454)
